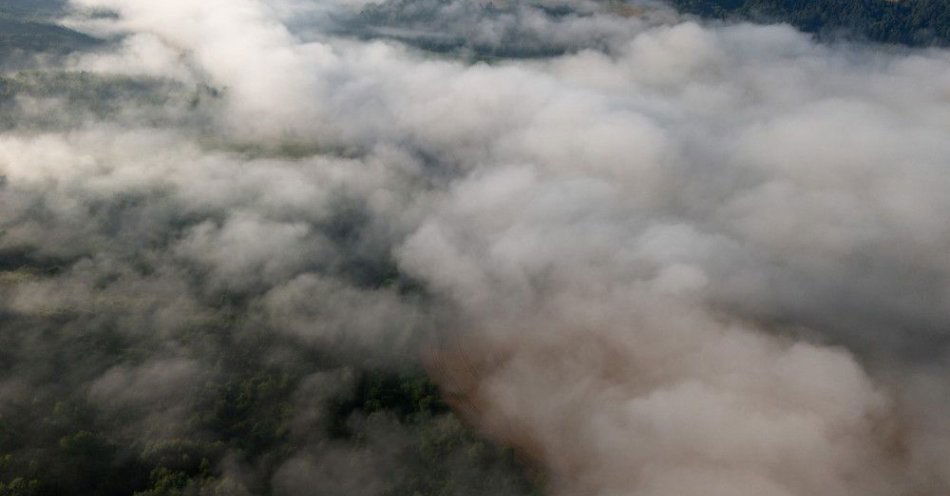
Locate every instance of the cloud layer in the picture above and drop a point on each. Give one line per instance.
(656, 256)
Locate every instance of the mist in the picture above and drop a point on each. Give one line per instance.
(638, 252)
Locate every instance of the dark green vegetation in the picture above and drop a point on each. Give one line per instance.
(489, 30)
(453, 27)
(29, 26)
(32, 7)
(157, 382)
(79, 96)
(246, 419)
(35, 36)
(99, 398)
(910, 22)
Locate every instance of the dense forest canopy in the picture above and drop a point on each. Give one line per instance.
(249, 415)
(32, 27)
(910, 22)
(32, 8)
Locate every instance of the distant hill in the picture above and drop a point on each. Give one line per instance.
(29, 26)
(32, 7)
(908, 22)
(37, 36)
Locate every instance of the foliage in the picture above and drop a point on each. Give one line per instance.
(910, 22)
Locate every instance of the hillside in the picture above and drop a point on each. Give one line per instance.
(28, 26)
(37, 36)
(909, 22)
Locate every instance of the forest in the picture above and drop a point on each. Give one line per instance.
(226, 404)
(908, 22)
